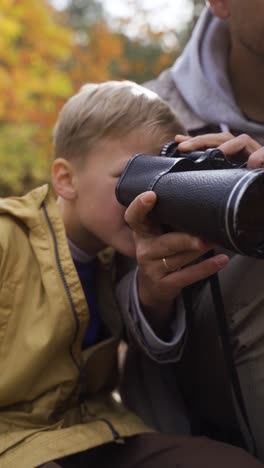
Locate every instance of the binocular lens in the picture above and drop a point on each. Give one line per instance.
(249, 219)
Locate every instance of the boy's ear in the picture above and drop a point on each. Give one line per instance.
(63, 179)
(220, 8)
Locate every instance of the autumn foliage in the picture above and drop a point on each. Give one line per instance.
(43, 60)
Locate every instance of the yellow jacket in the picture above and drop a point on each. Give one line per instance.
(43, 317)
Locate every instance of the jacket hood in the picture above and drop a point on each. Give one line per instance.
(27, 207)
(201, 77)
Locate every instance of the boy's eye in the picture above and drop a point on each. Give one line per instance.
(116, 175)
(117, 172)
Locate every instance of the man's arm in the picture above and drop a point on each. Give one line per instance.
(153, 308)
(140, 331)
(165, 263)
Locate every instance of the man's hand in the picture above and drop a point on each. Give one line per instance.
(226, 142)
(164, 261)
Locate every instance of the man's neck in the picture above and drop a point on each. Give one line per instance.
(246, 71)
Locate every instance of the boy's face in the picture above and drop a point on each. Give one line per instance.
(97, 219)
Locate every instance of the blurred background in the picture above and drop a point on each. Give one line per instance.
(49, 48)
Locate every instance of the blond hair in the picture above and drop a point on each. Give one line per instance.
(110, 109)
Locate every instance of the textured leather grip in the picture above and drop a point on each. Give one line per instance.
(218, 205)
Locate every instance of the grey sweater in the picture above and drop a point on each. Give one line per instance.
(197, 86)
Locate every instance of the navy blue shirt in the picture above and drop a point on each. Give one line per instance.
(87, 276)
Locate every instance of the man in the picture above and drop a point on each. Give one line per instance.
(216, 85)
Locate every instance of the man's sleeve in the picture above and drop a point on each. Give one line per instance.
(140, 331)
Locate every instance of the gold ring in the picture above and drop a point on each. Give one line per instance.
(165, 264)
(168, 268)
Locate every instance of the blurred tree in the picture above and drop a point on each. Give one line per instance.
(34, 49)
(95, 46)
(46, 55)
(24, 162)
(142, 60)
(93, 57)
(197, 7)
(102, 53)
(82, 14)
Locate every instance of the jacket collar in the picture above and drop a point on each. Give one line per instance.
(27, 208)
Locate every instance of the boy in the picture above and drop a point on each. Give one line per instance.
(59, 321)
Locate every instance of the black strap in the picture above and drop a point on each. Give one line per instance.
(226, 347)
(228, 355)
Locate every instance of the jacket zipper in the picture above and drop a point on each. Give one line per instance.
(115, 434)
(66, 287)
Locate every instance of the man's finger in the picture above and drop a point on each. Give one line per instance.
(256, 160)
(242, 144)
(180, 138)
(182, 259)
(173, 244)
(193, 273)
(136, 214)
(210, 140)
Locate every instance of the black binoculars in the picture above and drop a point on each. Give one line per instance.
(202, 193)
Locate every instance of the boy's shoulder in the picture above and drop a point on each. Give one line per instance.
(26, 208)
(17, 216)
